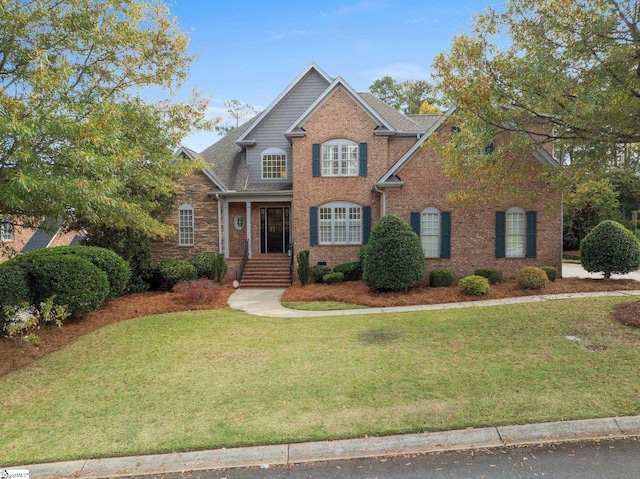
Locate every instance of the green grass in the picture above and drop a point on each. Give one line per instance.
(321, 305)
(222, 378)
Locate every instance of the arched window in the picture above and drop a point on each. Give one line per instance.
(274, 164)
(430, 232)
(340, 222)
(515, 233)
(340, 158)
(185, 225)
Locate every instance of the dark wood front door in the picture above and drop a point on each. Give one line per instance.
(274, 229)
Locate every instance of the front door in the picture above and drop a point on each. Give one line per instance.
(274, 229)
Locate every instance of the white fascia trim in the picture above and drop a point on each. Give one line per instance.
(404, 158)
(285, 92)
(337, 83)
(192, 155)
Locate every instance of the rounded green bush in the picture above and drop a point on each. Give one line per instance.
(210, 266)
(352, 271)
(14, 290)
(318, 272)
(172, 271)
(610, 248)
(531, 277)
(441, 278)
(552, 273)
(474, 285)
(74, 281)
(393, 259)
(494, 275)
(116, 268)
(333, 278)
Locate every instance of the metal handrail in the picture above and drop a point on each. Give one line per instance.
(243, 262)
(291, 263)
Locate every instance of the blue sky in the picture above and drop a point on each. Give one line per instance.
(251, 50)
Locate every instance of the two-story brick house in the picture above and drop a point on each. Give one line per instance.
(323, 163)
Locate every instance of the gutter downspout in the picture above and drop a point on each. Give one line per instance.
(383, 203)
(219, 224)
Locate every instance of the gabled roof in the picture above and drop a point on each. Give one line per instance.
(296, 128)
(244, 137)
(390, 178)
(400, 122)
(192, 155)
(416, 146)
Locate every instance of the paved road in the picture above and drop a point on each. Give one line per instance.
(604, 459)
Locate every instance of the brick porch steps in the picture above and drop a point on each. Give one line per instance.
(266, 271)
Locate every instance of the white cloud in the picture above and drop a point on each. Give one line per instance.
(422, 20)
(277, 36)
(362, 6)
(398, 71)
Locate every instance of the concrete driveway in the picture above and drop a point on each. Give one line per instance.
(572, 270)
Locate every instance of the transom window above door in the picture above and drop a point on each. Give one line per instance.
(274, 164)
(340, 158)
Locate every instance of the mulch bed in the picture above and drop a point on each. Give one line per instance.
(628, 313)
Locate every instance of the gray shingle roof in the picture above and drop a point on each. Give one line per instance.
(399, 121)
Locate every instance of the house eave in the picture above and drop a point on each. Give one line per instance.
(395, 186)
(246, 143)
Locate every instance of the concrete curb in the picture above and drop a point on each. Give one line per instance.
(386, 446)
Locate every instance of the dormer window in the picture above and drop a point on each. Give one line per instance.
(340, 158)
(274, 164)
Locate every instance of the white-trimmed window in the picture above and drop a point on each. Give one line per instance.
(274, 164)
(340, 223)
(6, 229)
(430, 232)
(339, 158)
(515, 233)
(185, 225)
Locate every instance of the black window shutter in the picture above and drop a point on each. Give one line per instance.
(532, 232)
(315, 154)
(501, 223)
(363, 159)
(313, 226)
(366, 224)
(445, 234)
(415, 222)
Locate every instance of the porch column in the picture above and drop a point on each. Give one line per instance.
(226, 228)
(248, 206)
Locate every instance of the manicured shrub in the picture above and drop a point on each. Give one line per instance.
(210, 266)
(172, 271)
(74, 281)
(610, 248)
(333, 278)
(393, 259)
(474, 285)
(441, 278)
(352, 271)
(116, 268)
(531, 277)
(494, 275)
(552, 273)
(318, 272)
(14, 287)
(303, 266)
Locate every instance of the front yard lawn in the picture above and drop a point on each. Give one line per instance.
(221, 378)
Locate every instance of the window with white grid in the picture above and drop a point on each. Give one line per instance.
(274, 164)
(340, 158)
(515, 231)
(340, 223)
(430, 232)
(6, 229)
(185, 226)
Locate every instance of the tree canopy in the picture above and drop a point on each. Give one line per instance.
(77, 140)
(237, 110)
(569, 73)
(407, 96)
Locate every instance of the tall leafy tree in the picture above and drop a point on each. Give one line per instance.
(77, 140)
(237, 110)
(569, 73)
(407, 96)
